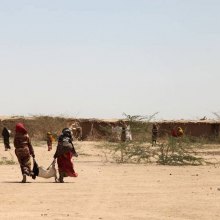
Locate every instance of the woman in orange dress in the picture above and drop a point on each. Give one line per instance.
(49, 140)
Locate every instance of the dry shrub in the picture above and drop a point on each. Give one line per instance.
(175, 151)
(7, 161)
(42, 124)
(38, 126)
(132, 153)
(135, 151)
(178, 151)
(140, 126)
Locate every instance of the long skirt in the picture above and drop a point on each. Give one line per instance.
(65, 165)
(49, 145)
(7, 143)
(24, 159)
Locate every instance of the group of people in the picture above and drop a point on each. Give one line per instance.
(65, 149)
(121, 132)
(25, 151)
(76, 132)
(175, 132)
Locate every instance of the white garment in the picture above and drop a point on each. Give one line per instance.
(128, 133)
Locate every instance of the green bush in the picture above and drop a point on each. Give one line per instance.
(178, 151)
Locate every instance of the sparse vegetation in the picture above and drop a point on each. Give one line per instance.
(7, 161)
(132, 153)
(173, 151)
(135, 151)
(178, 151)
(140, 126)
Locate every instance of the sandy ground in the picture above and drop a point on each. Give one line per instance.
(105, 190)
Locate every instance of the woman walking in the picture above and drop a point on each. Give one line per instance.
(154, 134)
(49, 140)
(23, 150)
(64, 153)
(6, 137)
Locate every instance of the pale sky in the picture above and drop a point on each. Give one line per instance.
(99, 58)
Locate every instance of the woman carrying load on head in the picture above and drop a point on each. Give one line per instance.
(64, 153)
(23, 150)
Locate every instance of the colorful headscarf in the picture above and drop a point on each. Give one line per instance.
(19, 128)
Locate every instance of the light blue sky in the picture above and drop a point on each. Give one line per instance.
(99, 58)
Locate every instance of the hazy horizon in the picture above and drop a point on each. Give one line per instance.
(98, 59)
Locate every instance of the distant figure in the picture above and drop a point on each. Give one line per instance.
(76, 130)
(154, 134)
(125, 132)
(49, 140)
(6, 137)
(64, 153)
(128, 133)
(178, 132)
(23, 150)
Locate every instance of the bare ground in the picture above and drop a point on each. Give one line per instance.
(105, 190)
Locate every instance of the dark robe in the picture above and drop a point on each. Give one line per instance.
(64, 153)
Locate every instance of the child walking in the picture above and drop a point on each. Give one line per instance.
(49, 141)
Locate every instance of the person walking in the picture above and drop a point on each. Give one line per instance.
(49, 141)
(64, 153)
(23, 150)
(154, 134)
(6, 138)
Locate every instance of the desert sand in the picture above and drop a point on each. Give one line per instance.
(106, 190)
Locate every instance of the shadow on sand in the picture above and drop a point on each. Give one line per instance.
(34, 182)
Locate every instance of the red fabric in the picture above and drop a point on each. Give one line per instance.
(65, 165)
(19, 128)
(174, 133)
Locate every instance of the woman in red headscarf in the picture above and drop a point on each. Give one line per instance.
(23, 150)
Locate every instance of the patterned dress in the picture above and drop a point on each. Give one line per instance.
(23, 151)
